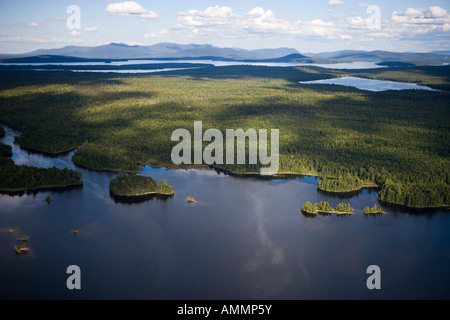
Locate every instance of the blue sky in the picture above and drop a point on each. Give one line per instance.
(308, 26)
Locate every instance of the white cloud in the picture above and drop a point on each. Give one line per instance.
(32, 24)
(223, 21)
(400, 25)
(156, 34)
(411, 26)
(356, 22)
(419, 21)
(75, 33)
(130, 9)
(6, 38)
(91, 29)
(335, 2)
(438, 12)
(211, 16)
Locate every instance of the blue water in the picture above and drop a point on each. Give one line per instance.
(349, 65)
(369, 84)
(245, 239)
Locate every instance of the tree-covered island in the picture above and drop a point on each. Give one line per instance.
(132, 185)
(324, 207)
(374, 210)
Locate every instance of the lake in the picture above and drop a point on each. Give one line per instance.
(369, 84)
(135, 63)
(245, 239)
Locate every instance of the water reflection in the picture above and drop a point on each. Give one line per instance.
(245, 239)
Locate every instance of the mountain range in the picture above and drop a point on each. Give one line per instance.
(160, 50)
(173, 51)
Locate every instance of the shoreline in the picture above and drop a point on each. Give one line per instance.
(365, 186)
(403, 206)
(130, 199)
(142, 194)
(17, 191)
(104, 169)
(279, 175)
(328, 212)
(48, 153)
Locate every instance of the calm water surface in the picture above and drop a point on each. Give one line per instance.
(347, 65)
(370, 84)
(244, 239)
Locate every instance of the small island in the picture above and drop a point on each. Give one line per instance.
(23, 248)
(374, 210)
(190, 199)
(132, 185)
(324, 208)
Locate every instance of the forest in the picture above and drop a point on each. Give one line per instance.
(19, 178)
(374, 210)
(346, 183)
(397, 140)
(5, 150)
(134, 185)
(324, 207)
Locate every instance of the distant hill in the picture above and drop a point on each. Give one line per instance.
(50, 59)
(173, 51)
(446, 53)
(331, 55)
(160, 50)
(384, 56)
(291, 58)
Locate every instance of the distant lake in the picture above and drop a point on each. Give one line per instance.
(245, 239)
(350, 65)
(369, 84)
(128, 70)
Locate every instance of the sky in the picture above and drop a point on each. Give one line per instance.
(308, 26)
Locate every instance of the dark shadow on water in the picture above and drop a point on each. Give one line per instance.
(398, 208)
(31, 151)
(341, 195)
(280, 176)
(35, 191)
(309, 215)
(130, 200)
